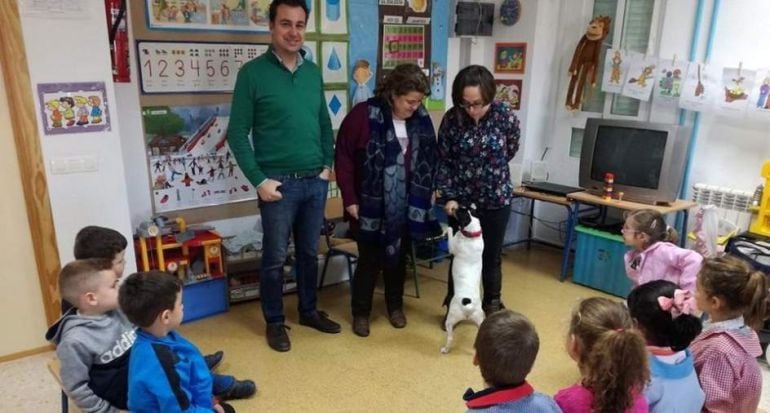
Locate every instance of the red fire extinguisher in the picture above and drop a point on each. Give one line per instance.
(118, 32)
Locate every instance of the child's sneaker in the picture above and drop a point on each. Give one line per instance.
(213, 360)
(241, 389)
(227, 408)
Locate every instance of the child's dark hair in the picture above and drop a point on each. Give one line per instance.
(651, 222)
(611, 355)
(659, 326)
(99, 242)
(506, 347)
(738, 284)
(144, 295)
(273, 10)
(77, 277)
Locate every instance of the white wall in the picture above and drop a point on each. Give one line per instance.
(76, 50)
(731, 152)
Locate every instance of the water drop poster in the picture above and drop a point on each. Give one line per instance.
(334, 62)
(334, 18)
(337, 105)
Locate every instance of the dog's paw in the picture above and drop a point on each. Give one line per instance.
(444, 350)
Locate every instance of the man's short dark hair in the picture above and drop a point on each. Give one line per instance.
(99, 242)
(506, 348)
(144, 295)
(291, 3)
(78, 277)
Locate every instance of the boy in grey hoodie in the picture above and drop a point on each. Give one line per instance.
(93, 339)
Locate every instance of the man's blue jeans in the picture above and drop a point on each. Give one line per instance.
(301, 213)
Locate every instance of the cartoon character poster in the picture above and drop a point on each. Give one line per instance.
(616, 64)
(190, 162)
(759, 97)
(640, 78)
(73, 107)
(736, 85)
(701, 87)
(509, 91)
(668, 85)
(229, 15)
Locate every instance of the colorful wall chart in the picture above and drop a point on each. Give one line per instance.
(189, 159)
(228, 15)
(168, 67)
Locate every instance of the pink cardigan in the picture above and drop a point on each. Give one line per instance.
(664, 261)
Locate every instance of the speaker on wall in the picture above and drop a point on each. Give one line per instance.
(474, 18)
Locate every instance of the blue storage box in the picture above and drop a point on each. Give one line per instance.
(599, 261)
(205, 298)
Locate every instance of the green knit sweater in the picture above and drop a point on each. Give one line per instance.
(286, 115)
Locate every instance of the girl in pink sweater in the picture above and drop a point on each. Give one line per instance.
(653, 256)
(612, 359)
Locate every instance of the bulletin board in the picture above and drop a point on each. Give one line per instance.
(185, 76)
(387, 32)
(188, 54)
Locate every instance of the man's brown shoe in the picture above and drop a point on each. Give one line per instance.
(361, 326)
(397, 319)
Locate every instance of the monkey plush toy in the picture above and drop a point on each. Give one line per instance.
(585, 61)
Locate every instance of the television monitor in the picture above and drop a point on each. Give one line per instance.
(646, 158)
(474, 18)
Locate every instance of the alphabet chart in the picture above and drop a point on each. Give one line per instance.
(182, 67)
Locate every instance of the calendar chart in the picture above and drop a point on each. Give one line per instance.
(192, 67)
(403, 43)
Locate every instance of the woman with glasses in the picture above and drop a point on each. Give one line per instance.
(477, 139)
(385, 162)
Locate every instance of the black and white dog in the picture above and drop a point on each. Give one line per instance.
(467, 247)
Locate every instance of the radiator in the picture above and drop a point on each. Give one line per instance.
(734, 205)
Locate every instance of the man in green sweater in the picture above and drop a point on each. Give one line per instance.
(279, 100)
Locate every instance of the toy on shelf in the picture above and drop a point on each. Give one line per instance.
(761, 225)
(191, 254)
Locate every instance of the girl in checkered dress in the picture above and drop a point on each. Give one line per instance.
(734, 296)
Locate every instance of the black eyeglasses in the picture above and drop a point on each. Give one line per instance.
(474, 105)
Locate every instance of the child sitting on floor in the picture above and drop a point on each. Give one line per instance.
(664, 315)
(612, 359)
(106, 243)
(506, 347)
(734, 297)
(166, 373)
(100, 242)
(653, 256)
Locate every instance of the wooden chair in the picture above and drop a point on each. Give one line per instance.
(55, 368)
(335, 246)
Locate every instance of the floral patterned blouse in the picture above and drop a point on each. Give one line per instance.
(473, 166)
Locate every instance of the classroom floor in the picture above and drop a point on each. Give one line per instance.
(391, 370)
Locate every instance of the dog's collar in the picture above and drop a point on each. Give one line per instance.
(469, 234)
(497, 395)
